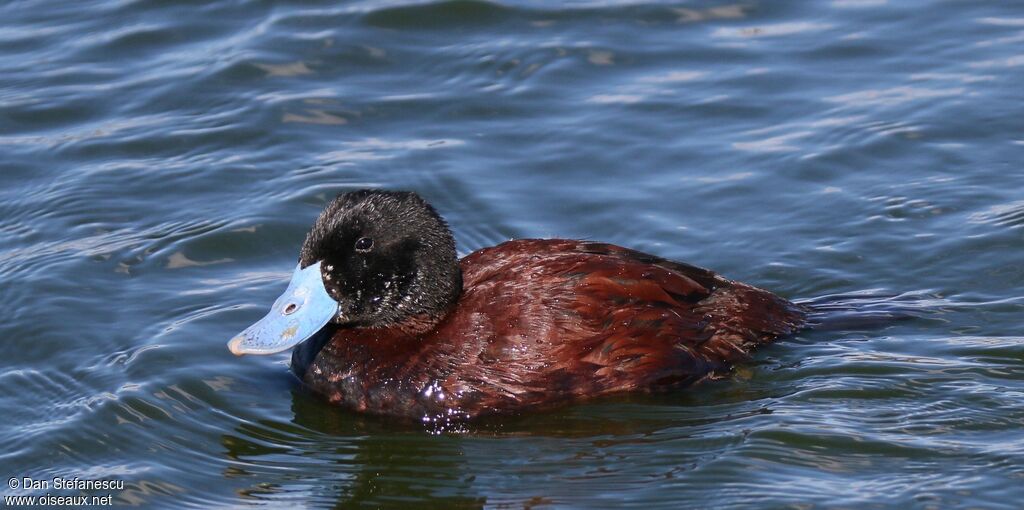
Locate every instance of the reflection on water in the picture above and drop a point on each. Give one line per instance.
(162, 163)
(357, 460)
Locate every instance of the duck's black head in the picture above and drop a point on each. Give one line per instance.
(374, 259)
(386, 257)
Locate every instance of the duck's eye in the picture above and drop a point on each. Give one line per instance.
(364, 244)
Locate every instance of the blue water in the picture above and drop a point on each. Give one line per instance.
(161, 163)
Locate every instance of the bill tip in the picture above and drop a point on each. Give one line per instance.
(235, 345)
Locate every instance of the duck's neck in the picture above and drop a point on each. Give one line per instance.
(435, 291)
(413, 326)
(433, 298)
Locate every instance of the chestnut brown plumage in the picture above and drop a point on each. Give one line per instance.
(523, 325)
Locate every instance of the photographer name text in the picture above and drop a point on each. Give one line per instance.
(61, 483)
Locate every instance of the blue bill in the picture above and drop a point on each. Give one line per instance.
(303, 309)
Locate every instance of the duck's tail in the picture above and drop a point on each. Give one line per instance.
(870, 309)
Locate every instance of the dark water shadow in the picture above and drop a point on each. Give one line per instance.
(346, 459)
(334, 458)
(873, 309)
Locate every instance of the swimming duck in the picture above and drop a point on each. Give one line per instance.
(385, 319)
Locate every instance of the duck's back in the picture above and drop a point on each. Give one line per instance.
(542, 322)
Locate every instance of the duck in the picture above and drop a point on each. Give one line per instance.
(383, 318)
